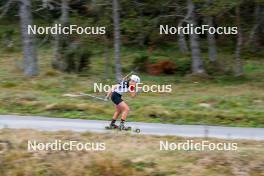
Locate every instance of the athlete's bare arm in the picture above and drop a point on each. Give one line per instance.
(135, 92)
(110, 91)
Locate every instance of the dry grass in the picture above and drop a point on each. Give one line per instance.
(228, 101)
(125, 155)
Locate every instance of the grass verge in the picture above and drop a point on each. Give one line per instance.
(221, 100)
(125, 154)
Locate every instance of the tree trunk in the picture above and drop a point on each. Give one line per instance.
(117, 39)
(106, 57)
(29, 50)
(238, 63)
(107, 64)
(141, 36)
(64, 12)
(55, 59)
(197, 62)
(182, 43)
(256, 29)
(142, 32)
(211, 42)
(60, 40)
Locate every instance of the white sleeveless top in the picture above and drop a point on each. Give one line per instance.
(122, 87)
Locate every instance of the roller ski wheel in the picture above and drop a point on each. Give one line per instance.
(137, 130)
(123, 128)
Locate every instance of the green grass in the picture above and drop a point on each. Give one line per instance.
(220, 100)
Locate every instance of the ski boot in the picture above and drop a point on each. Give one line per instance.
(123, 127)
(112, 126)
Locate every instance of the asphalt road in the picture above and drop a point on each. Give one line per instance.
(55, 124)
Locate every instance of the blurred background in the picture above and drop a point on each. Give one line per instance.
(216, 80)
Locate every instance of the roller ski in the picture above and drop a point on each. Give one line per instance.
(121, 127)
(124, 128)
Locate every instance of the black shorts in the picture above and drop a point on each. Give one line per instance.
(116, 98)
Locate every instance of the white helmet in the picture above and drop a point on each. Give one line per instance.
(135, 78)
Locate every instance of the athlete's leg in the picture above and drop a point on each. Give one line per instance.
(115, 116)
(117, 112)
(125, 110)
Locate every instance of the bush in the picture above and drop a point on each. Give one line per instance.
(77, 59)
(7, 40)
(183, 66)
(219, 68)
(140, 62)
(71, 56)
(165, 67)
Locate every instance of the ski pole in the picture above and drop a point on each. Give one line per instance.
(92, 96)
(133, 71)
